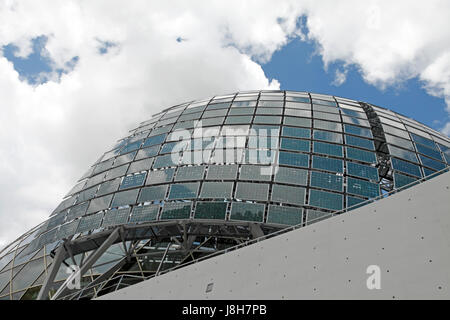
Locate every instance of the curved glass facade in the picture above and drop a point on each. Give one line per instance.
(265, 158)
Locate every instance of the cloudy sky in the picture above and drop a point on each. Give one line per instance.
(77, 75)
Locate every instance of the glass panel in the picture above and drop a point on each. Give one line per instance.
(166, 161)
(287, 194)
(216, 172)
(154, 140)
(300, 122)
(247, 211)
(296, 105)
(176, 210)
(216, 190)
(252, 191)
(348, 128)
(328, 148)
(160, 176)
(363, 171)
(295, 144)
(241, 111)
(153, 193)
(324, 102)
(359, 122)
(401, 180)
(117, 172)
(90, 222)
(99, 203)
(125, 197)
(353, 201)
(284, 215)
(427, 142)
(316, 215)
(327, 125)
(327, 136)
(211, 210)
(434, 153)
(395, 131)
(29, 273)
(67, 229)
(135, 180)
(116, 217)
(407, 167)
(184, 190)
(267, 119)
(144, 213)
(78, 210)
(147, 152)
(328, 164)
(329, 116)
(131, 147)
(404, 143)
(363, 188)
(269, 111)
(257, 156)
(326, 200)
(108, 187)
(190, 173)
(238, 119)
(296, 132)
(293, 159)
(252, 172)
(326, 181)
(361, 155)
(139, 166)
(431, 163)
(359, 142)
(291, 175)
(401, 153)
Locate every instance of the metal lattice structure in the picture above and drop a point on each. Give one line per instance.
(206, 175)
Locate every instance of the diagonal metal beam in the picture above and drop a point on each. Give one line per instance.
(60, 256)
(93, 257)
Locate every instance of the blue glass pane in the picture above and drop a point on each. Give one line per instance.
(406, 167)
(299, 99)
(363, 188)
(166, 161)
(293, 159)
(328, 148)
(184, 190)
(446, 152)
(326, 200)
(131, 147)
(363, 171)
(359, 142)
(401, 180)
(296, 132)
(431, 163)
(147, 152)
(326, 181)
(429, 143)
(357, 154)
(429, 152)
(348, 128)
(135, 180)
(353, 201)
(325, 102)
(154, 140)
(125, 198)
(284, 215)
(328, 164)
(327, 136)
(427, 171)
(295, 144)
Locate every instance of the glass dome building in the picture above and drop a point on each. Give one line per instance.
(208, 175)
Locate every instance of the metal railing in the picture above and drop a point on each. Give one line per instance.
(92, 291)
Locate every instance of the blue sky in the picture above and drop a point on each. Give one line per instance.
(297, 67)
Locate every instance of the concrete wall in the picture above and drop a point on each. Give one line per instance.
(407, 235)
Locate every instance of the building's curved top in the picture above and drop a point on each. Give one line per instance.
(271, 158)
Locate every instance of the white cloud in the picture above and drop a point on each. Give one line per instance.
(51, 133)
